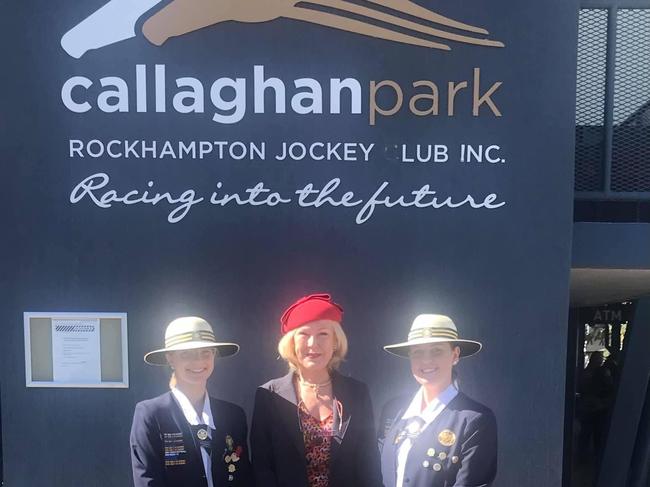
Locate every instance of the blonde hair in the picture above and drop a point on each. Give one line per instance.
(172, 380)
(287, 348)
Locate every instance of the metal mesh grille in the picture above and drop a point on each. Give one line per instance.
(590, 100)
(631, 145)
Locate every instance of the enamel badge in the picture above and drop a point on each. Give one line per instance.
(447, 438)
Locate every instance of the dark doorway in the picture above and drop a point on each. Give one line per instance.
(599, 335)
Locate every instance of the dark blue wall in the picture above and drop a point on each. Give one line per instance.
(611, 245)
(502, 274)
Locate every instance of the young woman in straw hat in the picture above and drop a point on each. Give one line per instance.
(439, 437)
(314, 427)
(185, 438)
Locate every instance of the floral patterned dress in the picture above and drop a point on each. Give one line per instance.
(318, 439)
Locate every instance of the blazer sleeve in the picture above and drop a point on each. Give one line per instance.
(479, 453)
(368, 469)
(147, 462)
(261, 445)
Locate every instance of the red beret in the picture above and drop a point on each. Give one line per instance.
(310, 308)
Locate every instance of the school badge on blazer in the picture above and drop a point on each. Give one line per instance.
(231, 455)
(174, 448)
(447, 438)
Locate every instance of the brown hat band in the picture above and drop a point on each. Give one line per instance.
(433, 333)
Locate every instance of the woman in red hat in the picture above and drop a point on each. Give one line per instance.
(314, 427)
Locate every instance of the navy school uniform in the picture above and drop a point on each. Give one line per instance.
(165, 453)
(458, 449)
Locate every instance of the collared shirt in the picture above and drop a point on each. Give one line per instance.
(193, 419)
(431, 412)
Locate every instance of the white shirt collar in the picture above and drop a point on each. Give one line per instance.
(433, 408)
(189, 411)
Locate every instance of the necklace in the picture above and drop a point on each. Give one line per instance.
(313, 386)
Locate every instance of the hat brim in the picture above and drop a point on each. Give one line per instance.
(467, 347)
(157, 357)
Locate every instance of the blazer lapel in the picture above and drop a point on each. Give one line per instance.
(341, 394)
(218, 443)
(389, 449)
(389, 457)
(289, 411)
(193, 454)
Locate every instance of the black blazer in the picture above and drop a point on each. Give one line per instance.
(159, 426)
(277, 445)
(458, 449)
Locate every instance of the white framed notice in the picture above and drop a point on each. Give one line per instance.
(76, 350)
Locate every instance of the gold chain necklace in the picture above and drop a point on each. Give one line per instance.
(314, 387)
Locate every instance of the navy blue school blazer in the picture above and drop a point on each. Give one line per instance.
(165, 454)
(458, 449)
(277, 444)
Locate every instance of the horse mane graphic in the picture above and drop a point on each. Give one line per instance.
(116, 21)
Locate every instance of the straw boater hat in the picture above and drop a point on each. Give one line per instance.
(434, 329)
(189, 333)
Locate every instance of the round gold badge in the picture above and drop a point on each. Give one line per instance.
(447, 437)
(202, 434)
